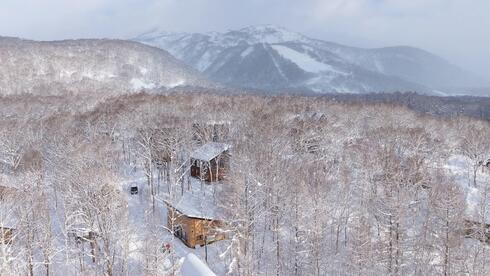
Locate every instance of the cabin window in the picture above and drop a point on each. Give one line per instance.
(179, 233)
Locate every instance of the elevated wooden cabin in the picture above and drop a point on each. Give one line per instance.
(192, 229)
(8, 223)
(81, 234)
(210, 162)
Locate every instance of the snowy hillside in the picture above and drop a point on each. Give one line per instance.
(97, 66)
(271, 58)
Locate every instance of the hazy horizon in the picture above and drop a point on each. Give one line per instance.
(455, 29)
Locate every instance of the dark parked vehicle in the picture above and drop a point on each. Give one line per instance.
(134, 190)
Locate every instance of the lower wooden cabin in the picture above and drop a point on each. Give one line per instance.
(210, 162)
(6, 235)
(8, 217)
(194, 230)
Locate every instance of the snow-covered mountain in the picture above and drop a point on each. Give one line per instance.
(89, 66)
(273, 58)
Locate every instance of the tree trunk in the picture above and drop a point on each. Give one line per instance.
(446, 246)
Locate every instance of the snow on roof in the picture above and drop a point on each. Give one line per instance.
(197, 203)
(194, 205)
(209, 151)
(193, 266)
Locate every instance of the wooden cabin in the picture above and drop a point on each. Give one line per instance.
(210, 162)
(193, 230)
(306, 131)
(477, 230)
(82, 234)
(305, 141)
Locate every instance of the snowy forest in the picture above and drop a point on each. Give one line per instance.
(314, 186)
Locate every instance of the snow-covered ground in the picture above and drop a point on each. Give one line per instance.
(193, 266)
(461, 169)
(141, 216)
(303, 60)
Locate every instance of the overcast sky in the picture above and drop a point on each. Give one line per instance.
(458, 30)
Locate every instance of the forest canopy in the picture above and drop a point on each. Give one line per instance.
(315, 186)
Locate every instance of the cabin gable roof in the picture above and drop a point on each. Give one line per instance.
(189, 211)
(209, 151)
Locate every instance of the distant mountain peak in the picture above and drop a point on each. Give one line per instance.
(270, 57)
(264, 30)
(267, 34)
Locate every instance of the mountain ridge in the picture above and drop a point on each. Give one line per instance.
(227, 58)
(89, 66)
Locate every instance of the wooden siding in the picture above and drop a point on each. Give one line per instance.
(194, 231)
(212, 171)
